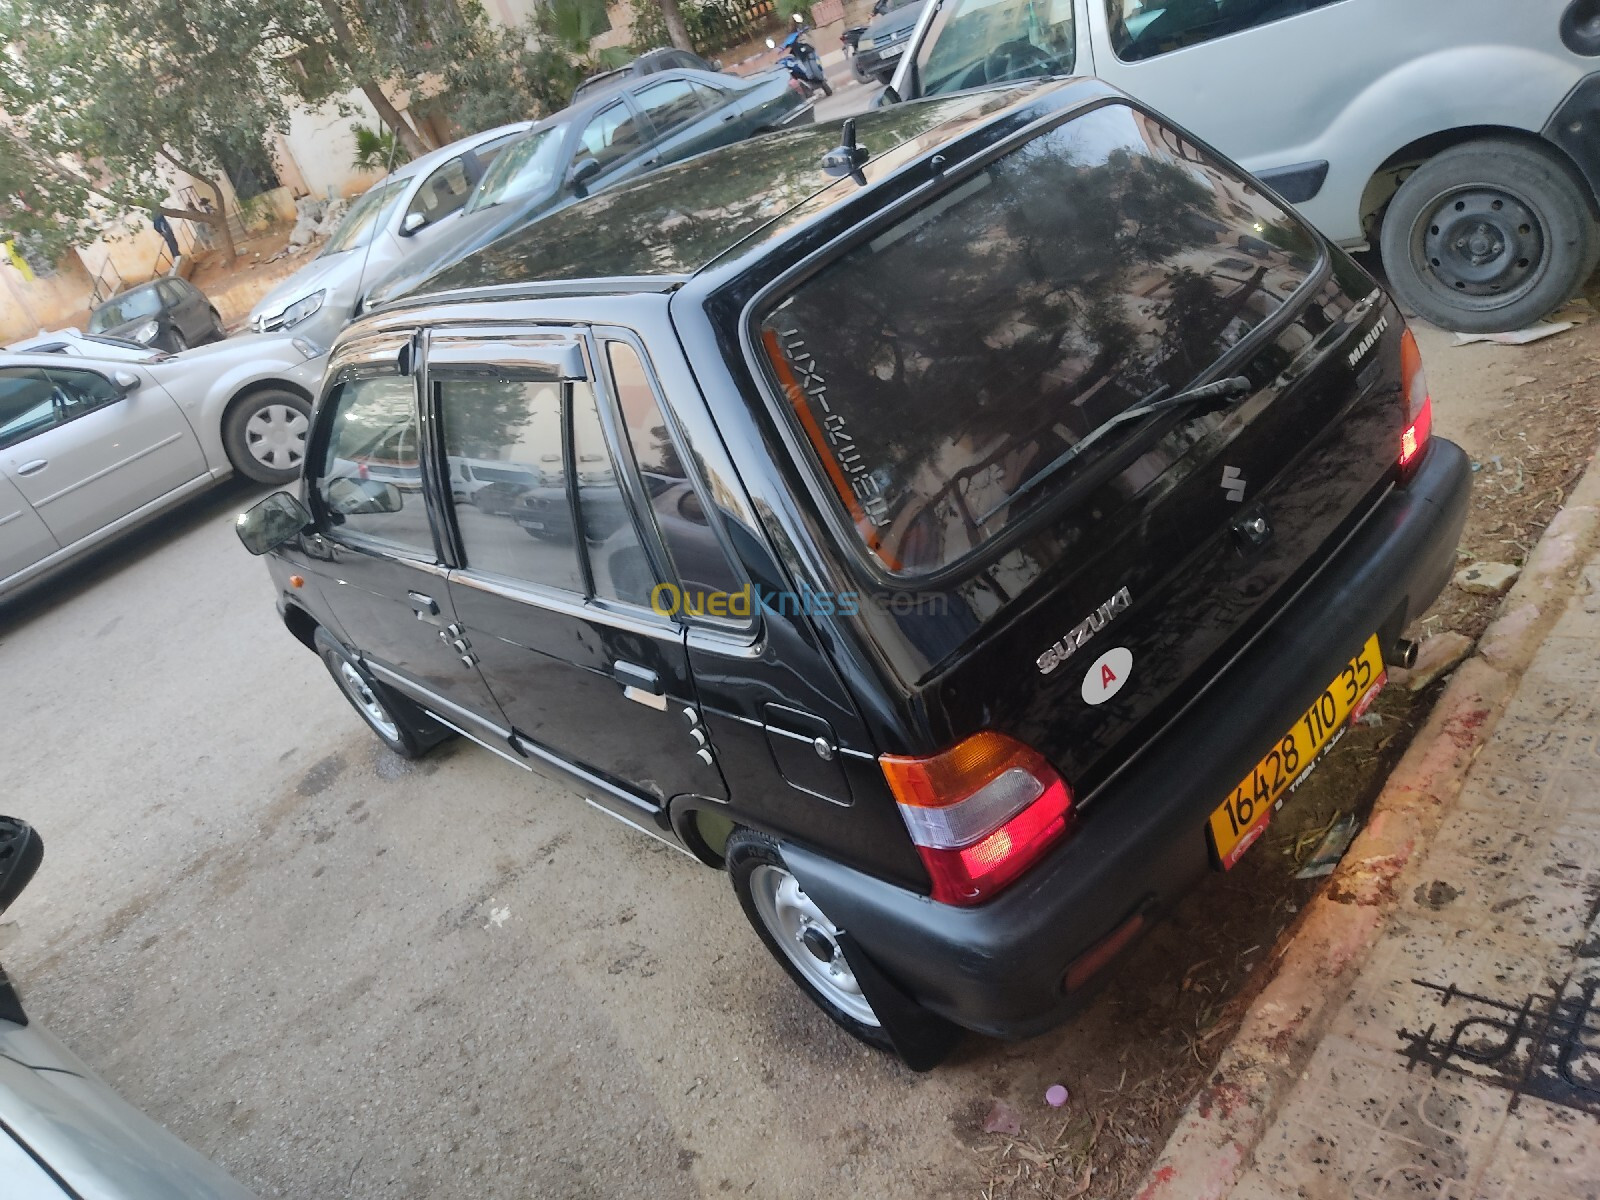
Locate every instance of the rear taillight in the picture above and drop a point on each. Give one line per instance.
(1419, 405)
(980, 813)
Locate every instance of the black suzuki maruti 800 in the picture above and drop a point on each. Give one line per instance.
(964, 530)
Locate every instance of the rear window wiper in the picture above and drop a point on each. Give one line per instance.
(1156, 402)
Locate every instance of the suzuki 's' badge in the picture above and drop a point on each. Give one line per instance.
(1233, 484)
(1082, 632)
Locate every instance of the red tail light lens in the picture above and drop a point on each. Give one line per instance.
(980, 813)
(1419, 405)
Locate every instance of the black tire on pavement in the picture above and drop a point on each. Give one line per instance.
(756, 867)
(246, 446)
(217, 331)
(1489, 236)
(179, 342)
(398, 723)
(861, 73)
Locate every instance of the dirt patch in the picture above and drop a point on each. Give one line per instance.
(1151, 1040)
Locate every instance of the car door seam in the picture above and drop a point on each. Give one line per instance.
(104, 471)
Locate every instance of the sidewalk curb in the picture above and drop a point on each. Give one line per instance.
(1316, 960)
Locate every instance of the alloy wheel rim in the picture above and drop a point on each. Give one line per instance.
(369, 704)
(276, 436)
(808, 939)
(1482, 246)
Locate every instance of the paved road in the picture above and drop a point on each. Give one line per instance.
(341, 973)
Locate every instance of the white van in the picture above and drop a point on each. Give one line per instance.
(1461, 137)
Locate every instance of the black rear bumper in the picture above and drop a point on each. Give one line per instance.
(998, 968)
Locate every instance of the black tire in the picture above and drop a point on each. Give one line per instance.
(403, 727)
(177, 341)
(245, 439)
(1489, 236)
(751, 858)
(827, 88)
(861, 73)
(218, 333)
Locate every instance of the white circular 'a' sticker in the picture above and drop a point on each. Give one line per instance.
(1106, 677)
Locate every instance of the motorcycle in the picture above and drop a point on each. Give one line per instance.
(850, 40)
(803, 63)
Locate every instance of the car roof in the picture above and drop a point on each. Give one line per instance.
(432, 159)
(676, 221)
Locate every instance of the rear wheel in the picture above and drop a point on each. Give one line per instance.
(799, 935)
(265, 435)
(1489, 236)
(217, 331)
(399, 724)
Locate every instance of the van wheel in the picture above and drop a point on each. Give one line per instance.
(265, 435)
(799, 935)
(1489, 236)
(399, 724)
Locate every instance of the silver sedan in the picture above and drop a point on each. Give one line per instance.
(92, 445)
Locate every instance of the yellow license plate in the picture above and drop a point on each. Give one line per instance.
(1242, 817)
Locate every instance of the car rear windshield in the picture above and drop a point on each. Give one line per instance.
(947, 364)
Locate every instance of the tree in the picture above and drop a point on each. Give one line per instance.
(677, 31)
(105, 103)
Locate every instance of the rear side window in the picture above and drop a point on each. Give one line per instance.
(697, 556)
(940, 367)
(612, 135)
(1145, 28)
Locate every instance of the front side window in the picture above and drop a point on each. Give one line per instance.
(515, 518)
(612, 135)
(444, 191)
(370, 482)
(697, 557)
(529, 167)
(1142, 29)
(976, 42)
(36, 399)
(941, 371)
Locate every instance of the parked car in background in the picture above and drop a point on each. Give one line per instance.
(953, 518)
(879, 49)
(634, 125)
(1457, 136)
(648, 63)
(74, 341)
(403, 214)
(91, 446)
(167, 313)
(65, 1135)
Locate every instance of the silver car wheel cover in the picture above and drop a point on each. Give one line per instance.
(275, 435)
(788, 914)
(371, 707)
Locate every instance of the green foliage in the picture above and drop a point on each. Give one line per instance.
(376, 149)
(788, 9)
(712, 24)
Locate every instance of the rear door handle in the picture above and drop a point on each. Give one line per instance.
(34, 467)
(423, 606)
(634, 676)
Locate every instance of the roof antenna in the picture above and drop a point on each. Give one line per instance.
(846, 158)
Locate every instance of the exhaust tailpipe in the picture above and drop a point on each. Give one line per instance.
(1402, 654)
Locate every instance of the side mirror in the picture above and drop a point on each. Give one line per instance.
(127, 381)
(413, 222)
(268, 524)
(716, 64)
(361, 497)
(583, 171)
(20, 853)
